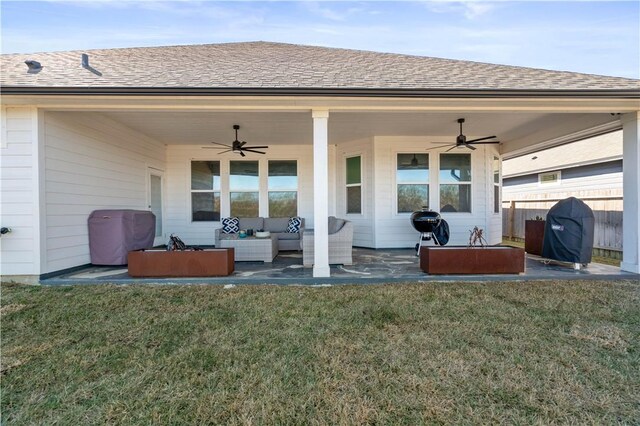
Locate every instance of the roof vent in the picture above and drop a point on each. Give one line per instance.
(85, 65)
(34, 66)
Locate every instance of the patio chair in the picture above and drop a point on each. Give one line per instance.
(340, 243)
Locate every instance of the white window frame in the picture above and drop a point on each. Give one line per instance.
(296, 190)
(469, 183)
(352, 185)
(552, 183)
(395, 181)
(497, 202)
(258, 191)
(191, 191)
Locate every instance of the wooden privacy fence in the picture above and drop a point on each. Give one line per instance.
(607, 212)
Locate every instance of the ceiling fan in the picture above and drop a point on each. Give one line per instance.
(461, 140)
(236, 146)
(414, 163)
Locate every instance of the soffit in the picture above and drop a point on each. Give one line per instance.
(295, 127)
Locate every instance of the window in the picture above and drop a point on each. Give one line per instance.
(244, 188)
(283, 188)
(205, 191)
(455, 183)
(496, 185)
(354, 185)
(412, 182)
(549, 178)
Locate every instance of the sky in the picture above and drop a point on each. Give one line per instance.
(581, 36)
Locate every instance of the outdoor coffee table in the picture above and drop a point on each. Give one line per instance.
(253, 248)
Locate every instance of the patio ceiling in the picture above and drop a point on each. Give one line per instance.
(515, 129)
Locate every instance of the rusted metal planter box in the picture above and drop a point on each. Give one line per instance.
(534, 236)
(162, 263)
(472, 260)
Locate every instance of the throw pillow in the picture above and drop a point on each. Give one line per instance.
(294, 224)
(230, 225)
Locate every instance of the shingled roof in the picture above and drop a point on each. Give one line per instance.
(598, 149)
(265, 65)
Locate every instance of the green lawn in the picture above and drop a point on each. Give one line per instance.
(464, 353)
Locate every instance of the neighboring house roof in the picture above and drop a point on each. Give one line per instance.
(598, 149)
(265, 65)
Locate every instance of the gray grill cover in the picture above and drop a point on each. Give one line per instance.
(113, 233)
(568, 233)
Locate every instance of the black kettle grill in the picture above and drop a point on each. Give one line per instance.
(425, 221)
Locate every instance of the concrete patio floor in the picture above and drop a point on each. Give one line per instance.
(370, 267)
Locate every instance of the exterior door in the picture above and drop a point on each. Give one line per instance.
(155, 203)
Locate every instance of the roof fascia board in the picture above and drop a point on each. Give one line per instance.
(305, 103)
(334, 92)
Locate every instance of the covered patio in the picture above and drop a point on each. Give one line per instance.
(370, 267)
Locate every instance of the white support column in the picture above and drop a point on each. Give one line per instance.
(321, 192)
(631, 190)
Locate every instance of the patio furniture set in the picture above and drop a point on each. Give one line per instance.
(269, 236)
(277, 236)
(121, 237)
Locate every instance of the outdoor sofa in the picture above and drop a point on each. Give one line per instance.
(276, 225)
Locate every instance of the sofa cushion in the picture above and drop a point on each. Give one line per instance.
(288, 235)
(230, 225)
(276, 224)
(294, 225)
(335, 224)
(251, 223)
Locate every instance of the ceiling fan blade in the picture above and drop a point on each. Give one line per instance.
(222, 152)
(251, 150)
(256, 147)
(228, 146)
(438, 147)
(215, 147)
(465, 145)
(481, 143)
(481, 139)
(243, 143)
(441, 143)
(242, 154)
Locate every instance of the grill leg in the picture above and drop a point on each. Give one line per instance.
(421, 238)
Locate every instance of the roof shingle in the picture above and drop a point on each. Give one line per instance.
(278, 65)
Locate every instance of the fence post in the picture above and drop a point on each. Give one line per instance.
(511, 221)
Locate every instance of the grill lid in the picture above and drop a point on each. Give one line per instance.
(425, 220)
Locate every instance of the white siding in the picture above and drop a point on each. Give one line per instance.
(178, 211)
(19, 197)
(605, 185)
(394, 230)
(91, 162)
